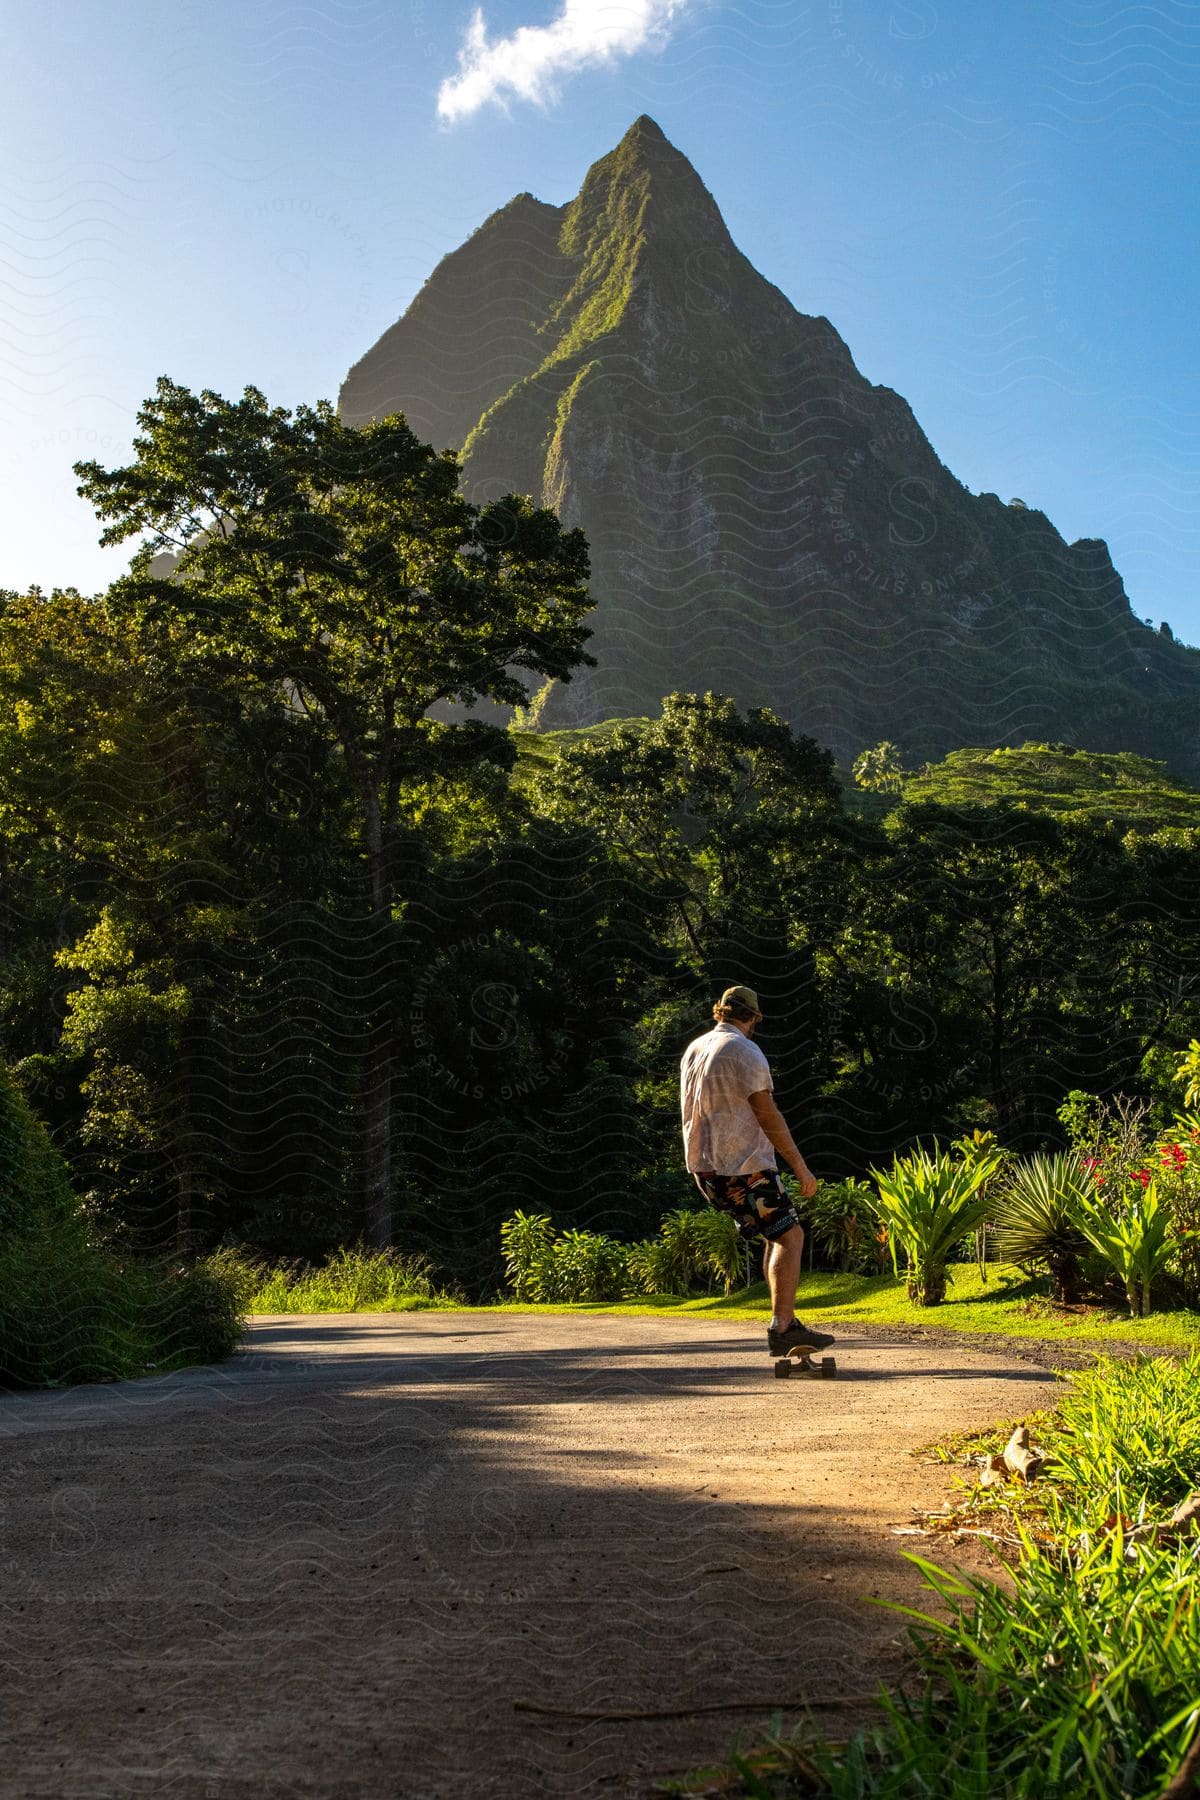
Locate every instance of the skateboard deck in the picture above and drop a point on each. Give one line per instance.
(801, 1362)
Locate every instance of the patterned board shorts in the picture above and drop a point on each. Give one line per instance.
(757, 1202)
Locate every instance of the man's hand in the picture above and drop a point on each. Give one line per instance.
(806, 1181)
(774, 1125)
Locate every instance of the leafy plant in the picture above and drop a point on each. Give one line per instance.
(723, 1249)
(583, 1265)
(525, 1240)
(693, 1248)
(970, 1150)
(1038, 1217)
(1133, 1426)
(1187, 1073)
(929, 1203)
(1176, 1157)
(1135, 1241)
(845, 1227)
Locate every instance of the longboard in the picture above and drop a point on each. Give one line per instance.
(801, 1362)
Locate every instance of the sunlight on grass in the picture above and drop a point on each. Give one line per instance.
(351, 1281)
(1008, 1303)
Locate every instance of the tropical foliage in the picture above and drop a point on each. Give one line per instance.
(693, 1249)
(1043, 1199)
(929, 1202)
(300, 949)
(70, 1310)
(1078, 1675)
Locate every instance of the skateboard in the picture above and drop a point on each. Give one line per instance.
(804, 1365)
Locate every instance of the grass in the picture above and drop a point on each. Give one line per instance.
(1008, 1303)
(351, 1281)
(1081, 1675)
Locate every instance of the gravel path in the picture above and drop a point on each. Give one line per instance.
(351, 1561)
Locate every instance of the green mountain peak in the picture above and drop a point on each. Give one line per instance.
(763, 521)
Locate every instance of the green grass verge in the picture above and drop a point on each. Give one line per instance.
(1081, 1676)
(1008, 1303)
(351, 1281)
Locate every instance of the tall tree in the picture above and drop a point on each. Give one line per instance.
(343, 571)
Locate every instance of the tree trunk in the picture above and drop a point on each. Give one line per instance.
(378, 1135)
(377, 1087)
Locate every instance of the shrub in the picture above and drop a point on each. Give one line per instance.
(1131, 1431)
(684, 1258)
(34, 1184)
(1176, 1157)
(584, 1265)
(525, 1241)
(70, 1311)
(576, 1265)
(723, 1247)
(845, 1227)
(1038, 1215)
(1134, 1241)
(693, 1248)
(928, 1204)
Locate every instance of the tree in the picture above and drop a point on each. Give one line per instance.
(733, 827)
(342, 572)
(880, 769)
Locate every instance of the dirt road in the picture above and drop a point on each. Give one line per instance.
(349, 1561)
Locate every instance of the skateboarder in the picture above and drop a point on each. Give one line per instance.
(731, 1131)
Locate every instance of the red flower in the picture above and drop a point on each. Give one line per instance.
(1142, 1175)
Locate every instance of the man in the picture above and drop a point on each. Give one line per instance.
(731, 1131)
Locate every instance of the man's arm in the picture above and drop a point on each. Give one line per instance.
(774, 1125)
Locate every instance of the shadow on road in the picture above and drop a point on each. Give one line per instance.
(340, 1564)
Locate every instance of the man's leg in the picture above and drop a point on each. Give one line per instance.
(782, 1264)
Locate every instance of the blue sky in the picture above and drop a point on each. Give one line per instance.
(993, 202)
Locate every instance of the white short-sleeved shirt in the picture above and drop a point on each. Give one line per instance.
(720, 1131)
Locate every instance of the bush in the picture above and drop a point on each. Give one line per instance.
(1130, 1434)
(929, 1203)
(351, 1280)
(70, 1311)
(584, 1265)
(525, 1241)
(34, 1183)
(1038, 1211)
(693, 1248)
(845, 1227)
(1134, 1240)
(1176, 1157)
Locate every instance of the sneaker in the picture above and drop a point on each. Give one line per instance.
(797, 1337)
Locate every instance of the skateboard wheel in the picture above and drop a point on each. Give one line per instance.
(828, 1366)
(783, 1368)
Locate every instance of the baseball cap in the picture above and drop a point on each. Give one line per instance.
(741, 996)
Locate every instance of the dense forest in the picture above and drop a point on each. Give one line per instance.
(295, 951)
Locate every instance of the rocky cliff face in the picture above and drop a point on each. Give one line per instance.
(763, 521)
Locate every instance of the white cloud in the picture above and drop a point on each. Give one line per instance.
(529, 64)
